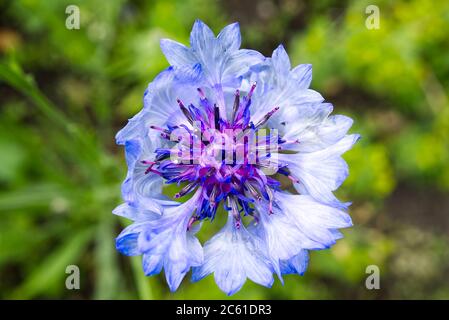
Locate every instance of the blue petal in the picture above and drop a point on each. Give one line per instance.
(282, 88)
(298, 264)
(187, 74)
(133, 213)
(303, 121)
(233, 255)
(239, 63)
(230, 38)
(314, 220)
(128, 245)
(316, 133)
(126, 242)
(303, 75)
(160, 102)
(141, 189)
(132, 152)
(176, 53)
(221, 61)
(160, 96)
(335, 128)
(165, 242)
(201, 37)
(280, 234)
(174, 273)
(281, 61)
(320, 181)
(133, 129)
(152, 264)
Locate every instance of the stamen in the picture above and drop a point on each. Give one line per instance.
(185, 111)
(253, 191)
(212, 197)
(289, 141)
(238, 223)
(251, 91)
(266, 117)
(270, 198)
(160, 129)
(201, 93)
(245, 150)
(166, 136)
(186, 189)
(216, 117)
(232, 203)
(236, 104)
(150, 169)
(192, 220)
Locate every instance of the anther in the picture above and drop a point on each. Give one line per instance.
(216, 117)
(266, 117)
(201, 93)
(185, 111)
(251, 91)
(185, 190)
(236, 104)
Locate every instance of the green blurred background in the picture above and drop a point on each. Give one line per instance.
(65, 93)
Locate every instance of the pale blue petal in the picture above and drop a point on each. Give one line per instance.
(220, 61)
(239, 63)
(201, 37)
(233, 255)
(136, 214)
(141, 189)
(174, 273)
(176, 262)
(335, 128)
(321, 136)
(297, 264)
(176, 53)
(279, 87)
(303, 121)
(314, 220)
(281, 61)
(302, 74)
(280, 234)
(126, 241)
(132, 129)
(230, 38)
(320, 180)
(189, 74)
(152, 264)
(165, 242)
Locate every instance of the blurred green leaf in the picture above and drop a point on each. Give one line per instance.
(51, 272)
(144, 289)
(108, 279)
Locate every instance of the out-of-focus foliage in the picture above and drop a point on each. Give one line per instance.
(64, 93)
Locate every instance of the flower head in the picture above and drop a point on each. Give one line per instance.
(228, 127)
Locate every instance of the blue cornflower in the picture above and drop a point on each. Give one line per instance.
(229, 127)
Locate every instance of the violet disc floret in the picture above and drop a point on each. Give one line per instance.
(228, 127)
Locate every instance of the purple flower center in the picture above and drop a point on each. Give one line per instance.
(229, 160)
